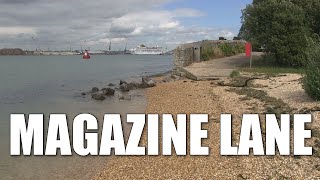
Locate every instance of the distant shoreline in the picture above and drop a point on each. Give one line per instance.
(21, 52)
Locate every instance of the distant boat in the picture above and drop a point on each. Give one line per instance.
(142, 49)
(86, 55)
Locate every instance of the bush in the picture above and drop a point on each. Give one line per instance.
(230, 50)
(234, 73)
(223, 50)
(226, 49)
(311, 81)
(210, 52)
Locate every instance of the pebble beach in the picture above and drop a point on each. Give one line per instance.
(185, 96)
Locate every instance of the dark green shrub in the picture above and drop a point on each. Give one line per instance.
(230, 49)
(222, 50)
(234, 73)
(206, 53)
(239, 48)
(311, 81)
(226, 49)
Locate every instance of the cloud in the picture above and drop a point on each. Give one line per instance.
(60, 24)
(187, 12)
(17, 30)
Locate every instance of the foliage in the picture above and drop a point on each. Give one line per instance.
(280, 27)
(312, 12)
(234, 73)
(311, 81)
(230, 50)
(222, 50)
(236, 38)
(210, 52)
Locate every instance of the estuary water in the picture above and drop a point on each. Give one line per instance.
(53, 84)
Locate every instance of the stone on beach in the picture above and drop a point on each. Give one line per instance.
(145, 79)
(83, 94)
(95, 89)
(151, 83)
(167, 79)
(124, 87)
(108, 91)
(147, 82)
(98, 96)
(134, 85)
(122, 82)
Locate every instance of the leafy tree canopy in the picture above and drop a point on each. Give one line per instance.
(282, 27)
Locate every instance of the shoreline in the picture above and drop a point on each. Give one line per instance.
(208, 97)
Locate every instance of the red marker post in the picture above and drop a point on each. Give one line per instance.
(249, 52)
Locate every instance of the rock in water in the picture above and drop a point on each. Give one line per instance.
(133, 85)
(98, 96)
(124, 87)
(108, 91)
(122, 82)
(111, 84)
(145, 80)
(94, 90)
(83, 94)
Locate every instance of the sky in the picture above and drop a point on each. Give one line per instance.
(72, 24)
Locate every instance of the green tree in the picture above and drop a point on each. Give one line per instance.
(312, 11)
(311, 81)
(279, 26)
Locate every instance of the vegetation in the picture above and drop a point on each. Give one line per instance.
(287, 30)
(279, 26)
(222, 50)
(272, 105)
(267, 64)
(234, 73)
(12, 52)
(311, 81)
(283, 28)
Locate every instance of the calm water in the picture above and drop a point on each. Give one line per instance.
(38, 84)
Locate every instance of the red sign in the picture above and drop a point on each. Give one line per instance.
(248, 49)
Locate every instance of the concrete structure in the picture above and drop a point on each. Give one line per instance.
(187, 54)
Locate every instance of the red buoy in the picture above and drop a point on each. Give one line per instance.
(86, 55)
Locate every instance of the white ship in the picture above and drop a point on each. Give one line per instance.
(142, 49)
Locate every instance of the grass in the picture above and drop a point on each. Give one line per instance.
(267, 64)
